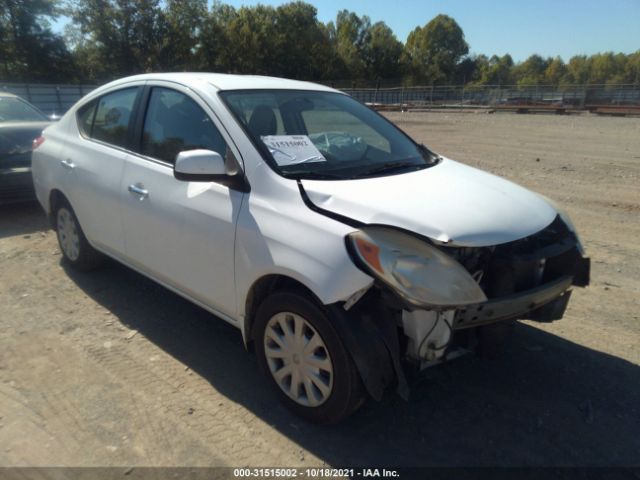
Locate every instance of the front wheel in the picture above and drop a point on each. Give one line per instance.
(304, 360)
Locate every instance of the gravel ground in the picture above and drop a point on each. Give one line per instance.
(111, 369)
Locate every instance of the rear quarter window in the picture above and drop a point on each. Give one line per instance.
(112, 114)
(85, 116)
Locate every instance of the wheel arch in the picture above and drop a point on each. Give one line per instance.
(371, 341)
(56, 197)
(260, 290)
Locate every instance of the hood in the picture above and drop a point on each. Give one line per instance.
(449, 202)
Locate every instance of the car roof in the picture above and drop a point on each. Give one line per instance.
(223, 81)
(8, 94)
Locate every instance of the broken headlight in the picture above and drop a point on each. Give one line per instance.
(418, 272)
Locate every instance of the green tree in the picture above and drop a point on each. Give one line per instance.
(182, 40)
(578, 70)
(531, 71)
(302, 46)
(607, 68)
(468, 70)
(117, 37)
(383, 52)
(495, 70)
(555, 72)
(352, 41)
(434, 51)
(632, 69)
(29, 50)
(251, 36)
(335, 67)
(217, 51)
(287, 41)
(113, 38)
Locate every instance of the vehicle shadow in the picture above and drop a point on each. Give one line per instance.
(22, 219)
(548, 402)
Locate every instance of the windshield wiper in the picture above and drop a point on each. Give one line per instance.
(390, 167)
(311, 175)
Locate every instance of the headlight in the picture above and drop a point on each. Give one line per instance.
(421, 274)
(564, 216)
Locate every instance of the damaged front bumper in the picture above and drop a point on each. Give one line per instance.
(532, 284)
(530, 281)
(518, 305)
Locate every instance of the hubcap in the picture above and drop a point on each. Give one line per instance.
(298, 359)
(68, 234)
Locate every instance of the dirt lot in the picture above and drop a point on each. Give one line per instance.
(111, 369)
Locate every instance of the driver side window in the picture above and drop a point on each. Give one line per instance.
(175, 123)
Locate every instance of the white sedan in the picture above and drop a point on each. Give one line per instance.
(344, 251)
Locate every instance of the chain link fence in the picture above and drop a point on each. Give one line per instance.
(56, 99)
(578, 97)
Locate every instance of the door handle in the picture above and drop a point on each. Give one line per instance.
(68, 164)
(139, 190)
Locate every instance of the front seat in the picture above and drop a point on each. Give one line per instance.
(263, 121)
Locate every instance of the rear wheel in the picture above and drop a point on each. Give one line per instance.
(73, 243)
(304, 360)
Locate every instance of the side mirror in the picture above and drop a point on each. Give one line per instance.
(199, 166)
(207, 166)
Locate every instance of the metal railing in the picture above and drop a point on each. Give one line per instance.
(580, 96)
(59, 98)
(51, 99)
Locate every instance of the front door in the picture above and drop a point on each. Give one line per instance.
(182, 233)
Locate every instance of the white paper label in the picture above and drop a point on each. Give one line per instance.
(292, 149)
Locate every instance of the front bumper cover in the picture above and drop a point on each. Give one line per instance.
(543, 303)
(512, 306)
(372, 337)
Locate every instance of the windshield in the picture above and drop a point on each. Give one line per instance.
(324, 135)
(13, 109)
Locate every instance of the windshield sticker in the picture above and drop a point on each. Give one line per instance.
(292, 149)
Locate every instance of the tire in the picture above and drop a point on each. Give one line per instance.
(329, 386)
(75, 248)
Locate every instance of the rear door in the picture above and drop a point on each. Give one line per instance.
(94, 163)
(182, 233)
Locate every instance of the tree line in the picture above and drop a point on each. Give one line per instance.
(107, 39)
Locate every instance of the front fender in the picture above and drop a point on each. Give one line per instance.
(296, 243)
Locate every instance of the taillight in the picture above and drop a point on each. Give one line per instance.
(37, 142)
